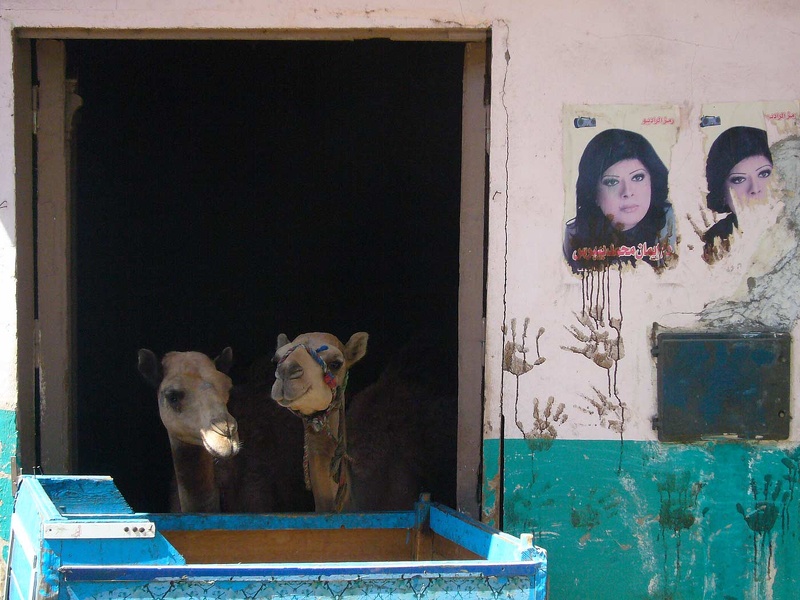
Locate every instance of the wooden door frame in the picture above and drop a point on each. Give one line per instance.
(472, 277)
(48, 348)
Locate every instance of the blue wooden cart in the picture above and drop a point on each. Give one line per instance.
(76, 537)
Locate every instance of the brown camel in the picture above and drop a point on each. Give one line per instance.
(205, 418)
(193, 393)
(267, 473)
(398, 437)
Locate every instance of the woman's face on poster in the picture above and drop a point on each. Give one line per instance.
(623, 193)
(748, 180)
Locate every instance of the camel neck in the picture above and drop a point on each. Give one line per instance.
(325, 460)
(194, 474)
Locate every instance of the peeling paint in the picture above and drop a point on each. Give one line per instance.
(766, 298)
(491, 508)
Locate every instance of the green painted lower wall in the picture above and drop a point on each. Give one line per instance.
(648, 520)
(8, 449)
(636, 520)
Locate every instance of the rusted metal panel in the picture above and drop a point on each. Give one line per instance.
(723, 385)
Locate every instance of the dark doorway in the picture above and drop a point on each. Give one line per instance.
(228, 191)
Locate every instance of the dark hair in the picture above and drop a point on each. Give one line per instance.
(732, 146)
(591, 226)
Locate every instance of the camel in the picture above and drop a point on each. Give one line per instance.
(193, 393)
(205, 418)
(266, 475)
(396, 439)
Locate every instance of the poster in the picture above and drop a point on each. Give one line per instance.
(616, 164)
(742, 183)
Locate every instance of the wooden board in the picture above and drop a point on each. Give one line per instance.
(221, 546)
(444, 549)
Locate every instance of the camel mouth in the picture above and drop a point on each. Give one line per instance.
(304, 404)
(224, 448)
(221, 442)
(286, 402)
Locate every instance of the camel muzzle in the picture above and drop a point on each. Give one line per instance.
(289, 370)
(221, 439)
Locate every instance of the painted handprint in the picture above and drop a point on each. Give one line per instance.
(678, 495)
(763, 514)
(545, 424)
(792, 476)
(609, 413)
(715, 233)
(602, 346)
(517, 364)
(761, 518)
(586, 513)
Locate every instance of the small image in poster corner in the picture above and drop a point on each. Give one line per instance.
(616, 184)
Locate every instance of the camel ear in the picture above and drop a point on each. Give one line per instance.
(283, 339)
(224, 361)
(150, 367)
(356, 347)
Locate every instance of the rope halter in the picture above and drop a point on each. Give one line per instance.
(330, 378)
(318, 422)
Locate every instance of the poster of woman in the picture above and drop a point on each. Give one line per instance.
(740, 176)
(617, 186)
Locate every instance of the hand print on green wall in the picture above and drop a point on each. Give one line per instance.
(761, 517)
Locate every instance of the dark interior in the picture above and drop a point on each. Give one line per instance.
(228, 191)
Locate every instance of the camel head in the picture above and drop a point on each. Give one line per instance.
(193, 394)
(311, 367)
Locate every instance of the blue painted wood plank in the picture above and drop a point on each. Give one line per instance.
(473, 568)
(476, 537)
(245, 522)
(85, 495)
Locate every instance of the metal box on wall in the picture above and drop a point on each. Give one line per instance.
(722, 384)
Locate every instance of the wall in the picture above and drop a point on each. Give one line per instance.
(619, 513)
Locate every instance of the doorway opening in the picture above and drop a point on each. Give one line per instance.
(229, 191)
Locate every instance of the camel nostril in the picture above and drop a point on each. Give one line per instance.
(290, 370)
(226, 427)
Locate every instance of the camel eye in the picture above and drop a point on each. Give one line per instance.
(174, 397)
(335, 365)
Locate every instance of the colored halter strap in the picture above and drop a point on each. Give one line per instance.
(319, 422)
(330, 378)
